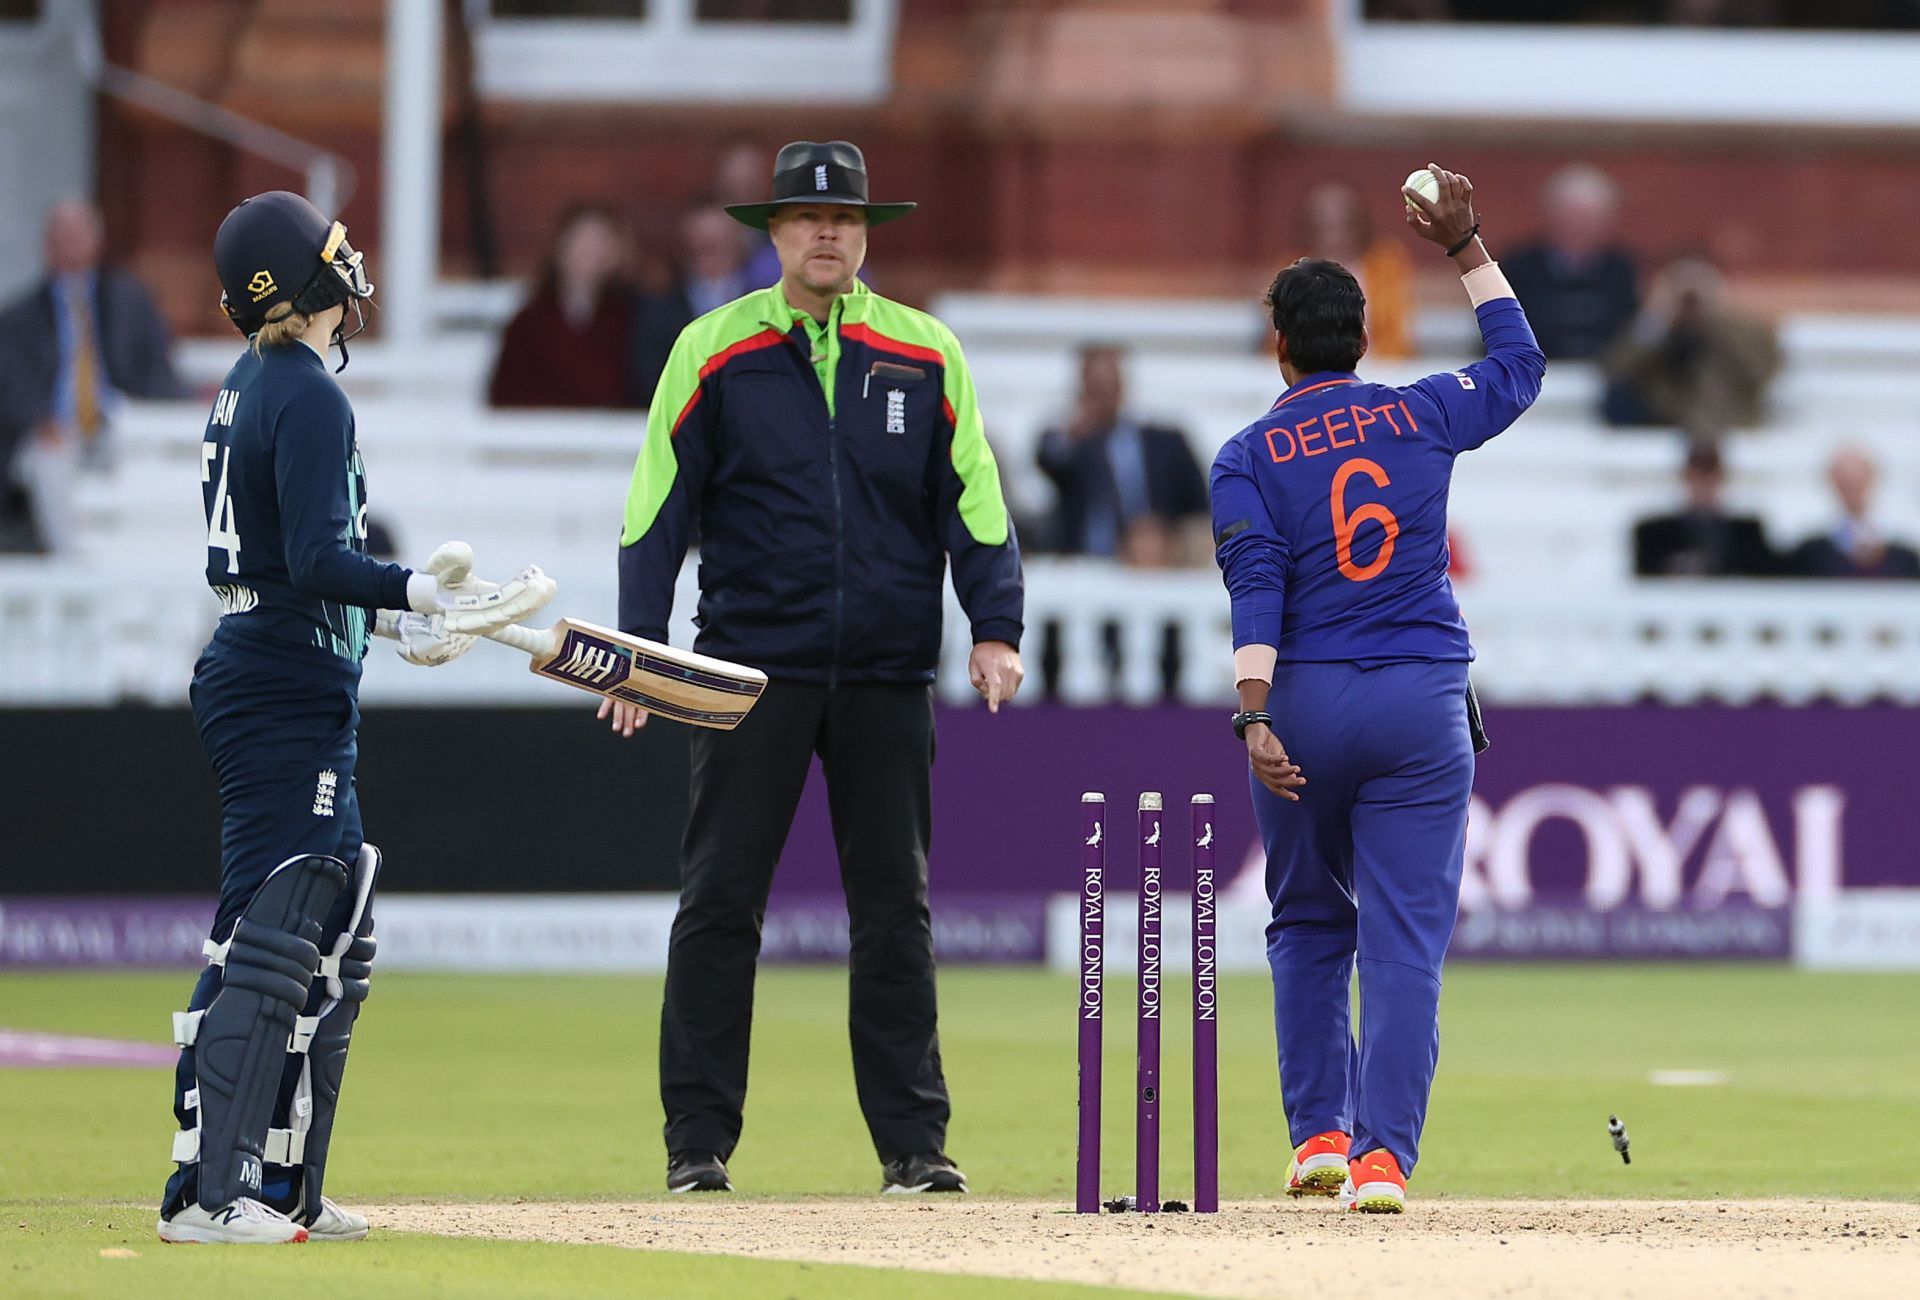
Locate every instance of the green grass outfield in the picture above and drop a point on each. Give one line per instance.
(502, 1087)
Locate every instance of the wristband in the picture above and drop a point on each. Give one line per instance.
(1243, 720)
(1465, 239)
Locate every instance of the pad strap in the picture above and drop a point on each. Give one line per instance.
(284, 1146)
(186, 1027)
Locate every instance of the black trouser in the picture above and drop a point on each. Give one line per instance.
(876, 745)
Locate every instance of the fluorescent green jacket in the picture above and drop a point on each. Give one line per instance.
(830, 473)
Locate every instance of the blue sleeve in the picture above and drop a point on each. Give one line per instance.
(1254, 558)
(1486, 397)
(312, 467)
(663, 499)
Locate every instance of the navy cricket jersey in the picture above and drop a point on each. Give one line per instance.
(1330, 511)
(286, 506)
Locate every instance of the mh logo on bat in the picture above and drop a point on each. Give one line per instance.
(590, 662)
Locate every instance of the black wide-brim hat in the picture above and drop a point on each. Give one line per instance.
(808, 172)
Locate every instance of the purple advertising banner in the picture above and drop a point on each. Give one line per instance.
(1635, 814)
(509, 932)
(103, 931)
(1644, 832)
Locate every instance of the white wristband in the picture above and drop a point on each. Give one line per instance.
(1254, 663)
(423, 593)
(1487, 284)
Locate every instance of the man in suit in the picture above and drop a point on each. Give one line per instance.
(1118, 480)
(710, 272)
(71, 349)
(1576, 283)
(1701, 540)
(1857, 547)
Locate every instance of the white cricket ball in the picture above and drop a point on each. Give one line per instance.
(1425, 184)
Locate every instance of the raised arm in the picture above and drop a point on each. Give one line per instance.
(1482, 399)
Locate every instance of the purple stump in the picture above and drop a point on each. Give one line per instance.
(1147, 1127)
(1206, 1024)
(1093, 939)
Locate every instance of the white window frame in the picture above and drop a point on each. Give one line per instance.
(1626, 73)
(670, 57)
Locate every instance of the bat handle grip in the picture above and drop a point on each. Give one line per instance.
(533, 640)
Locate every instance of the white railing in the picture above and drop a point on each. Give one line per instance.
(81, 636)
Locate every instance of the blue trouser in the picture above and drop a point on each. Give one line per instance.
(1366, 865)
(272, 721)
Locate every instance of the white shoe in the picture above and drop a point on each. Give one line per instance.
(336, 1224)
(245, 1222)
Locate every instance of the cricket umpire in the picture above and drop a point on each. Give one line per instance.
(826, 444)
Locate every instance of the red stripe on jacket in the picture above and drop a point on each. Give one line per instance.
(766, 338)
(875, 339)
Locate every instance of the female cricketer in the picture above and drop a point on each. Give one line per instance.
(276, 697)
(1330, 527)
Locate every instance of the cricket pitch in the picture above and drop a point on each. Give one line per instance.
(1440, 1249)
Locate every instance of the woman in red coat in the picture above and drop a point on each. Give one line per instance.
(568, 346)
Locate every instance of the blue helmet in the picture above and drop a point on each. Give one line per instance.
(276, 254)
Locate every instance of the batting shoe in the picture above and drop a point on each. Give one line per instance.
(1319, 1167)
(929, 1171)
(1378, 1185)
(697, 1171)
(244, 1223)
(336, 1224)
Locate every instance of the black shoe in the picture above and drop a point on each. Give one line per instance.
(929, 1171)
(697, 1171)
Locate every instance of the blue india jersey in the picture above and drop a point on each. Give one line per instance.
(1330, 511)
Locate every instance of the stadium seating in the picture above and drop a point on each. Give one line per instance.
(1545, 509)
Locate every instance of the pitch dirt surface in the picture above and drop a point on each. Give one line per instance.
(1439, 1250)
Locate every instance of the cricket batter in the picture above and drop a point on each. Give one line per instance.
(1330, 523)
(827, 443)
(276, 697)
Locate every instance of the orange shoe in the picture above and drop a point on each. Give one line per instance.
(1378, 1185)
(1319, 1167)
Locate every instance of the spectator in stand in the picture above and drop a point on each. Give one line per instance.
(1577, 285)
(1121, 484)
(570, 344)
(76, 344)
(1701, 539)
(1340, 228)
(1691, 360)
(740, 176)
(711, 272)
(1857, 547)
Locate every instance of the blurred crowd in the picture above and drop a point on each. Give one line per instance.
(1672, 349)
(597, 328)
(72, 348)
(1705, 538)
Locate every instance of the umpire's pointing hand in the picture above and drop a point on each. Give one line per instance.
(995, 671)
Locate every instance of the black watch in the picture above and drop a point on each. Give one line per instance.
(1247, 717)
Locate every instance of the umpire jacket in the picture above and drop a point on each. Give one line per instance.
(831, 471)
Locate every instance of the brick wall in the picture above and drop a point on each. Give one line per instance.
(1117, 145)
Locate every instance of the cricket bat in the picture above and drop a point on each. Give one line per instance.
(695, 689)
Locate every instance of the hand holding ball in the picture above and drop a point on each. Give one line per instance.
(1425, 184)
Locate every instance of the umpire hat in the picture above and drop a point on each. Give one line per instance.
(809, 172)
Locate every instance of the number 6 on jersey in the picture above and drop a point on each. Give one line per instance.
(1346, 524)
